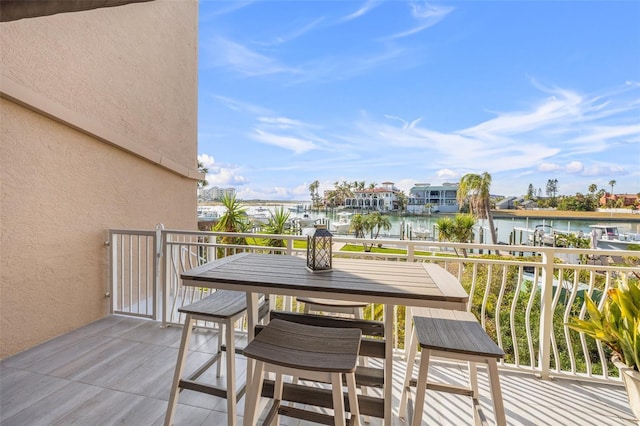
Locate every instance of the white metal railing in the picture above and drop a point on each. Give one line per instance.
(523, 297)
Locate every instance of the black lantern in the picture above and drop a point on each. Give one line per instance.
(319, 249)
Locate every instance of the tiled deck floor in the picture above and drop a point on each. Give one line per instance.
(118, 371)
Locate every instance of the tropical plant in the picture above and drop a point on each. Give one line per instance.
(612, 183)
(372, 223)
(616, 323)
(357, 225)
(234, 219)
(475, 189)
(313, 189)
(458, 229)
(278, 224)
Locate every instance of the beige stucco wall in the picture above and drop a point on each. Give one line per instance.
(99, 131)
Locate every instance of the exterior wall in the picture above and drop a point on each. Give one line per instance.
(99, 131)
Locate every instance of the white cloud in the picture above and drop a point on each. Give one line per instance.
(574, 167)
(291, 143)
(549, 167)
(206, 160)
(365, 8)
(427, 16)
(226, 53)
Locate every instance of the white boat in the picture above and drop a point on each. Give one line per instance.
(421, 233)
(342, 225)
(542, 235)
(259, 219)
(305, 221)
(608, 237)
(207, 214)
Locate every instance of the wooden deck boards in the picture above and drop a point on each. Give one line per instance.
(118, 371)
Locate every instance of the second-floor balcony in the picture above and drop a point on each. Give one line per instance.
(119, 369)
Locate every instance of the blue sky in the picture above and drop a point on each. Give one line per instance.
(408, 91)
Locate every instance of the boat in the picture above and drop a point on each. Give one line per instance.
(542, 235)
(207, 214)
(305, 221)
(343, 224)
(259, 219)
(608, 237)
(421, 233)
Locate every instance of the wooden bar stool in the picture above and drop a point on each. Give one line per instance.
(453, 335)
(224, 308)
(315, 304)
(321, 354)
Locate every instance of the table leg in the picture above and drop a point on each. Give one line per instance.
(388, 363)
(252, 321)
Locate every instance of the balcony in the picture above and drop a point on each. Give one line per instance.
(119, 369)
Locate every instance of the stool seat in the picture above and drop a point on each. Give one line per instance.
(454, 331)
(329, 303)
(306, 347)
(321, 354)
(222, 304)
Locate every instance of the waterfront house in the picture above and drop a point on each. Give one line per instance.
(427, 198)
(382, 198)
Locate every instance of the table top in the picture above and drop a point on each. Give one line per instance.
(403, 283)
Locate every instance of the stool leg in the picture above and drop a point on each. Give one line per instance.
(253, 395)
(496, 393)
(277, 396)
(177, 375)
(473, 385)
(421, 387)
(354, 408)
(231, 374)
(406, 389)
(220, 342)
(338, 399)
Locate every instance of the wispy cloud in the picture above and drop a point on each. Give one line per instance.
(225, 53)
(293, 34)
(571, 122)
(291, 143)
(364, 9)
(426, 15)
(229, 7)
(242, 106)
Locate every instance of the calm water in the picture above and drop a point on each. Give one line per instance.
(505, 225)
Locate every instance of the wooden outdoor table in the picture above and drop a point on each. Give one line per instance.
(386, 282)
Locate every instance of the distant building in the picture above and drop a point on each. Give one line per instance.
(214, 193)
(424, 197)
(619, 200)
(512, 203)
(383, 198)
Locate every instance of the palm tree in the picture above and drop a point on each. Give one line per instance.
(202, 169)
(458, 229)
(612, 183)
(234, 219)
(357, 225)
(313, 189)
(403, 200)
(378, 222)
(278, 224)
(475, 189)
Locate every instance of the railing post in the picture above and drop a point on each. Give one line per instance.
(546, 313)
(159, 292)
